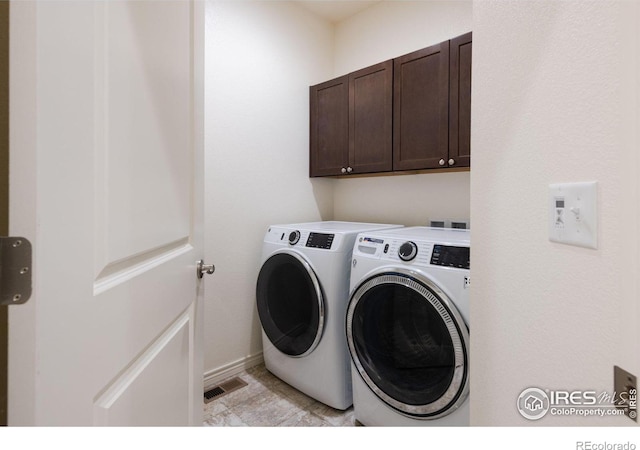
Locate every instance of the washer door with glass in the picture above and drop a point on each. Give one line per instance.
(409, 344)
(290, 304)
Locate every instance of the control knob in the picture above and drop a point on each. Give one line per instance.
(294, 237)
(408, 251)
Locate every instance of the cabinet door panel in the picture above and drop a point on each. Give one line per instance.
(421, 108)
(370, 118)
(329, 128)
(460, 101)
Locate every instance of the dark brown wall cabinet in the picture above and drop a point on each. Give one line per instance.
(460, 101)
(421, 109)
(329, 130)
(351, 123)
(410, 113)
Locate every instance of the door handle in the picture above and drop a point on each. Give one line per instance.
(202, 269)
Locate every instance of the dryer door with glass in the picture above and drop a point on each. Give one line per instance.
(290, 303)
(409, 344)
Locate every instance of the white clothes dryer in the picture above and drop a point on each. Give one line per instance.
(408, 327)
(302, 293)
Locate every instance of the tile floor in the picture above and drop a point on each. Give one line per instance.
(269, 402)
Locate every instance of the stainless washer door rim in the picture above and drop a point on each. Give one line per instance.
(318, 292)
(458, 389)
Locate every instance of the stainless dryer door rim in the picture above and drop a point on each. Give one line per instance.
(318, 291)
(458, 389)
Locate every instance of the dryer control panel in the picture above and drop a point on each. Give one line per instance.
(320, 240)
(301, 238)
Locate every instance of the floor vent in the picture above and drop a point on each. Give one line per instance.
(223, 389)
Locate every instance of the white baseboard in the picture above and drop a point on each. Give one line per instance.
(214, 376)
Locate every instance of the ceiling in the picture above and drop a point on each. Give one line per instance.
(336, 11)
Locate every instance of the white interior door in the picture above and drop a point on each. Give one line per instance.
(106, 181)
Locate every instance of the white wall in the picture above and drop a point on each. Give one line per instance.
(555, 99)
(261, 58)
(384, 31)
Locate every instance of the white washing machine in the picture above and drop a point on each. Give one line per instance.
(302, 294)
(408, 327)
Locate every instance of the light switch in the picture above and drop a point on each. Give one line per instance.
(573, 214)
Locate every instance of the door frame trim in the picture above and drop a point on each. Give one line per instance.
(4, 194)
(23, 139)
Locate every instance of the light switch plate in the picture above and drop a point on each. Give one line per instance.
(573, 213)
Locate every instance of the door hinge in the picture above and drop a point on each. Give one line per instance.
(15, 270)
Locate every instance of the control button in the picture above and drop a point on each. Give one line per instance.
(386, 248)
(294, 237)
(408, 251)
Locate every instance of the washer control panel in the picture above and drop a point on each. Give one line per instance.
(450, 256)
(414, 252)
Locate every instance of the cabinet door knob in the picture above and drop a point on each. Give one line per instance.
(442, 162)
(349, 169)
(343, 170)
(452, 162)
